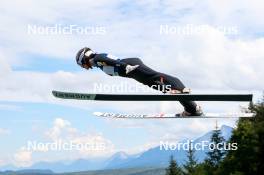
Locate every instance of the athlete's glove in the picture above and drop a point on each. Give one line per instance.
(130, 68)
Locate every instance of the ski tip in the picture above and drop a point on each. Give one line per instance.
(54, 93)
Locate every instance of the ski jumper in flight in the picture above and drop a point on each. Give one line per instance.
(136, 69)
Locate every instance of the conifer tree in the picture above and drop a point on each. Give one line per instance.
(173, 168)
(216, 153)
(191, 164)
(249, 136)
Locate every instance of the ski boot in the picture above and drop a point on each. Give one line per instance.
(198, 112)
(183, 91)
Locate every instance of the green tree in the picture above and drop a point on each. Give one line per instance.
(191, 163)
(249, 136)
(173, 168)
(216, 152)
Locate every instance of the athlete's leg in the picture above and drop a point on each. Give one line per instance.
(176, 84)
(157, 80)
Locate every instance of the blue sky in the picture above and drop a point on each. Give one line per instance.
(41, 114)
(209, 61)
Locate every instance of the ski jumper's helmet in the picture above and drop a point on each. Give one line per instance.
(82, 54)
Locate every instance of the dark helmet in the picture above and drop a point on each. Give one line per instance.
(82, 54)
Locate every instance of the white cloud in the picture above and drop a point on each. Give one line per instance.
(2, 162)
(23, 158)
(208, 61)
(173, 130)
(5, 67)
(16, 17)
(4, 131)
(100, 146)
(87, 145)
(92, 143)
(58, 126)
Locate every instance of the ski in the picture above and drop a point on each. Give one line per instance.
(177, 115)
(138, 97)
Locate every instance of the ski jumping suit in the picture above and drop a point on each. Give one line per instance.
(143, 74)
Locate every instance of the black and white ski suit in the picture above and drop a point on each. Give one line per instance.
(117, 67)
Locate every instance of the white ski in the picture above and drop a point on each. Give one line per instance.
(177, 115)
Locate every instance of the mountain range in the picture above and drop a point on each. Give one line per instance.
(154, 157)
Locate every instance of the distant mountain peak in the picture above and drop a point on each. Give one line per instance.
(152, 157)
(226, 127)
(226, 131)
(120, 155)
